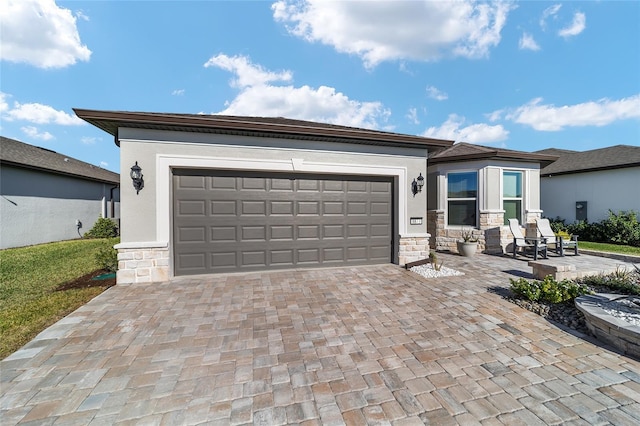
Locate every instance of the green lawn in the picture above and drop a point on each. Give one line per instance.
(611, 248)
(28, 279)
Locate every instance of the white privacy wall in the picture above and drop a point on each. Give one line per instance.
(615, 189)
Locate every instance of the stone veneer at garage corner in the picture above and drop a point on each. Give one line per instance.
(413, 248)
(149, 263)
(142, 263)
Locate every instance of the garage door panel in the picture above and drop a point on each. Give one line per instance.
(281, 208)
(262, 221)
(223, 183)
(223, 208)
(308, 208)
(191, 208)
(333, 208)
(222, 260)
(282, 232)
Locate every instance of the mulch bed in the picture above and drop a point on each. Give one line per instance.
(87, 280)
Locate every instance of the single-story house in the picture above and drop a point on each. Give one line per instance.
(585, 185)
(46, 196)
(224, 194)
(474, 187)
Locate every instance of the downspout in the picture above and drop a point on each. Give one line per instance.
(113, 208)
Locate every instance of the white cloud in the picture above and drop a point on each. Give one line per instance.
(577, 26)
(379, 31)
(454, 129)
(324, 104)
(594, 113)
(34, 133)
(90, 140)
(527, 42)
(247, 73)
(37, 113)
(40, 33)
(436, 94)
(104, 164)
(178, 92)
(550, 11)
(412, 115)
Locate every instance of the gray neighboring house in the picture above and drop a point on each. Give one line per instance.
(226, 194)
(46, 196)
(585, 185)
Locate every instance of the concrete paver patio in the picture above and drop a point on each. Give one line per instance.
(361, 345)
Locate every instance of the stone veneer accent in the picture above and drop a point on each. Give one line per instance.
(413, 248)
(493, 236)
(142, 264)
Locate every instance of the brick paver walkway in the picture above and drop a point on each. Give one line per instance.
(362, 345)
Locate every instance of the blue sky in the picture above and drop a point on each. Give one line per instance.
(517, 75)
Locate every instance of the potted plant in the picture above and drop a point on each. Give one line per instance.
(469, 244)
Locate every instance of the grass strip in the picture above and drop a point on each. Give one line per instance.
(610, 248)
(29, 277)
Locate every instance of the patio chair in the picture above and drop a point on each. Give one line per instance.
(524, 243)
(559, 243)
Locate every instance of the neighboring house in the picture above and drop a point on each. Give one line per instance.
(224, 194)
(586, 185)
(46, 196)
(478, 187)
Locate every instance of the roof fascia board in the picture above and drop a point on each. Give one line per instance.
(122, 119)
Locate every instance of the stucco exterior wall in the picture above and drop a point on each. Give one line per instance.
(146, 217)
(617, 189)
(38, 207)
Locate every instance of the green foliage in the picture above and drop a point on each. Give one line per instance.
(620, 281)
(107, 257)
(548, 290)
(619, 228)
(103, 228)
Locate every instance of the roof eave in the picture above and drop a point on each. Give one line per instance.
(58, 172)
(110, 121)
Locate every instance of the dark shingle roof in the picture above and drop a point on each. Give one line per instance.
(613, 157)
(110, 121)
(16, 153)
(463, 151)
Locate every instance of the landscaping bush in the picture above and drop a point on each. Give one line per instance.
(548, 290)
(619, 228)
(107, 256)
(103, 228)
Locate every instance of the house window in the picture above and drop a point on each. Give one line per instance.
(512, 195)
(462, 193)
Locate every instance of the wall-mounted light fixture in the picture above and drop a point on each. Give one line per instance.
(417, 184)
(136, 177)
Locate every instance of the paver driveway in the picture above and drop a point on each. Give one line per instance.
(377, 345)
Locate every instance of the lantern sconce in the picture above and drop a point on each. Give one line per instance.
(417, 184)
(136, 177)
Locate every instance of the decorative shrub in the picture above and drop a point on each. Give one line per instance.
(103, 228)
(619, 228)
(548, 290)
(107, 256)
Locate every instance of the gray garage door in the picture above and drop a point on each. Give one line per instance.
(225, 222)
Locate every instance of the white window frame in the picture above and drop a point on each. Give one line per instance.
(522, 193)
